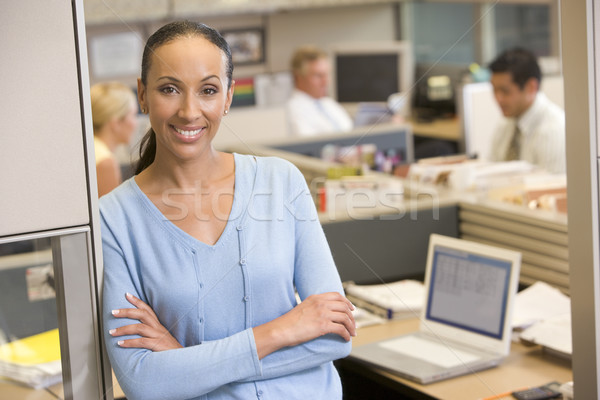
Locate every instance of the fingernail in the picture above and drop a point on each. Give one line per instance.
(128, 295)
(120, 342)
(115, 312)
(112, 331)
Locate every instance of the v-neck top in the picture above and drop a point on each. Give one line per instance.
(242, 188)
(211, 296)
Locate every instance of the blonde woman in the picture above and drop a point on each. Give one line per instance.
(114, 109)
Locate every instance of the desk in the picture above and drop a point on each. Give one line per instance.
(524, 367)
(9, 391)
(445, 129)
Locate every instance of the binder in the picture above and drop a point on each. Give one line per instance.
(396, 300)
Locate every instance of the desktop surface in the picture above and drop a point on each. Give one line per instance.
(13, 391)
(523, 368)
(444, 129)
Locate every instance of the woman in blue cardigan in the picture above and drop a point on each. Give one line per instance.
(204, 251)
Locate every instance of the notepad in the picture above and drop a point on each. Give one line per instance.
(36, 349)
(34, 361)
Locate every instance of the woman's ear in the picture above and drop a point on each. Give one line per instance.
(141, 94)
(230, 95)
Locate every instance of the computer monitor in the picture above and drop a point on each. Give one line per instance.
(371, 71)
(434, 94)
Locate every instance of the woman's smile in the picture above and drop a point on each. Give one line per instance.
(189, 132)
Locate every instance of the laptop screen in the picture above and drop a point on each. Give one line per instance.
(469, 291)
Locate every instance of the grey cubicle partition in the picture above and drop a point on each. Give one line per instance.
(390, 247)
(49, 191)
(386, 137)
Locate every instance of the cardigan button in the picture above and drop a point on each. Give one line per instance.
(243, 261)
(246, 298)
(239, 227)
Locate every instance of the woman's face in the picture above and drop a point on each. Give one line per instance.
(186, 96)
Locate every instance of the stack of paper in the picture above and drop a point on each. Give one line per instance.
(539, 302)
(554, 334)
(33, 361)
(543, 315)
(402, 299)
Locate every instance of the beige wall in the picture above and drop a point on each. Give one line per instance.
(283, 31)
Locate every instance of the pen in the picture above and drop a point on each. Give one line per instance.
(501, 395)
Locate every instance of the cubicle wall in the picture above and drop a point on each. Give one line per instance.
(541, 238)
(388, 247)
(386, 137)
(305, 152)
(50, 263)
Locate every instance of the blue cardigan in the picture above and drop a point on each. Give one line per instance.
(210, 297)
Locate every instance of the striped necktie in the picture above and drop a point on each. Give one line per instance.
(514, 148)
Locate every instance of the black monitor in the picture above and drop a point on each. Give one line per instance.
(366, 77)
(370, 72)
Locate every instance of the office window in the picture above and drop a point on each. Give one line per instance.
(443, 32)
(528, 26)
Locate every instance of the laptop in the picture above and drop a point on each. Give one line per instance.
(465, 324)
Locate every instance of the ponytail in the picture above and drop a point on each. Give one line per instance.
(147, 151)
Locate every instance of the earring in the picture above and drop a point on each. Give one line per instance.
(143, 111)
(225, 112)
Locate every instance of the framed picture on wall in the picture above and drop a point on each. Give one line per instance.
(247, 45)
(115, 55)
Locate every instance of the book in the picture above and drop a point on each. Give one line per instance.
(395, 300)
(34, 361)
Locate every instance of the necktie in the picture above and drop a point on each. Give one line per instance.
(514, 148)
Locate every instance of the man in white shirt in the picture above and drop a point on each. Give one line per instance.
(310, 110)
(533, 128)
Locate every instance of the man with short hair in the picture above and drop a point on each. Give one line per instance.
(534, 127)
(310, 110)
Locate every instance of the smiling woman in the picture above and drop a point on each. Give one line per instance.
(204, 250)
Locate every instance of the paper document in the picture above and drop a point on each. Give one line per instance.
(553, 334)
(391, 300)
(34, 361)
(539, 302)
(364, 317)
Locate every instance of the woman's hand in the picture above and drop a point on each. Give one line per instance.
(316, 316)
(154, 336)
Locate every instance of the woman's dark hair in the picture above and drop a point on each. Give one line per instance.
(520, 63)
(164, 35)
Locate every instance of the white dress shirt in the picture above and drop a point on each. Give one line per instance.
(543, 136)
(308, 116)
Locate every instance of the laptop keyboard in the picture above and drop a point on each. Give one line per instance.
(427, 350)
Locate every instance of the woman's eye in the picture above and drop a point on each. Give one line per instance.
(168, 90)
(209, 91)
